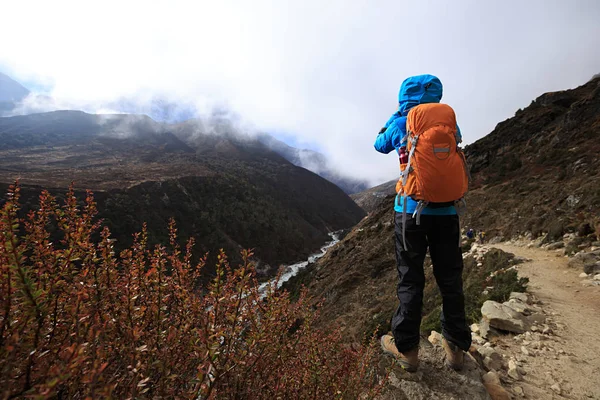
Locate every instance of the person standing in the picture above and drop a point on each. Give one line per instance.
(432, 183)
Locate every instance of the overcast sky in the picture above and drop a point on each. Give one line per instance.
(324, 72)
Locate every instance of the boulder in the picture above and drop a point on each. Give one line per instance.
(586, 261)
(503, 317)
(592, 268)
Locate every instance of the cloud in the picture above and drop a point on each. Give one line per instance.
(325, 72)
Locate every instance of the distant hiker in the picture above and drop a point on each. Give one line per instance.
(481, 237)
(433, 179)
(470, 233)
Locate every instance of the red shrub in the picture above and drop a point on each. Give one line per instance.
(76, 321)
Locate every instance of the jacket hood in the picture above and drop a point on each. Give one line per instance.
(417, 90)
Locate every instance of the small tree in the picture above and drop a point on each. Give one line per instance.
(78, 321)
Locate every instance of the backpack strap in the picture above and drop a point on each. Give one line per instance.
(413, 141)
(404, 205)
(419, 210)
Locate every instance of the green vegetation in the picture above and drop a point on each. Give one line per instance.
(494, 273)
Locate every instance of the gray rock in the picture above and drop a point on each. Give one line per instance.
(518, 306)
(503, 317)
(514, 374)
(555, 245)
(536, 318)
(592, 268)
(486, 331)
(492, 360)
(522, 297)
(586, 261)
(492, 365)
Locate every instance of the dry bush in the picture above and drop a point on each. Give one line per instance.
(78, 321)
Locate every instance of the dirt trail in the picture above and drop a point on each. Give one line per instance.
(574, 363)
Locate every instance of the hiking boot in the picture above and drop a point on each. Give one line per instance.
(455, 357)
(408, 360)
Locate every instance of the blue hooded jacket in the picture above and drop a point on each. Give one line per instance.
(415, 90)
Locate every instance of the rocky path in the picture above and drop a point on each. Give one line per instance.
(566, 363)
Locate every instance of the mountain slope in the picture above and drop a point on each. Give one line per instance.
(539, 171)
(369, 199)
(313, 161)
(11, 92)
(225, 190)
(221, 122)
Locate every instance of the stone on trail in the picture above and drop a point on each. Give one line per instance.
(555, 245)
(435, 338)
(518, 306)
(492, 360)
(512, 370)
(519, 391)
(503, 317)
(583, 275)
(522, 297)
(486, 331)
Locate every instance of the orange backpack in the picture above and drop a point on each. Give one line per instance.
(436, 173)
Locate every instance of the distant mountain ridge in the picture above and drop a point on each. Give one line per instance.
(161, 110)
(11, 92)
(228, 191)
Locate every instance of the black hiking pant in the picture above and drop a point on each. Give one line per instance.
(441, 234)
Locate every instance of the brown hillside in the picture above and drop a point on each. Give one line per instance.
(227, 191)
(539, 171)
